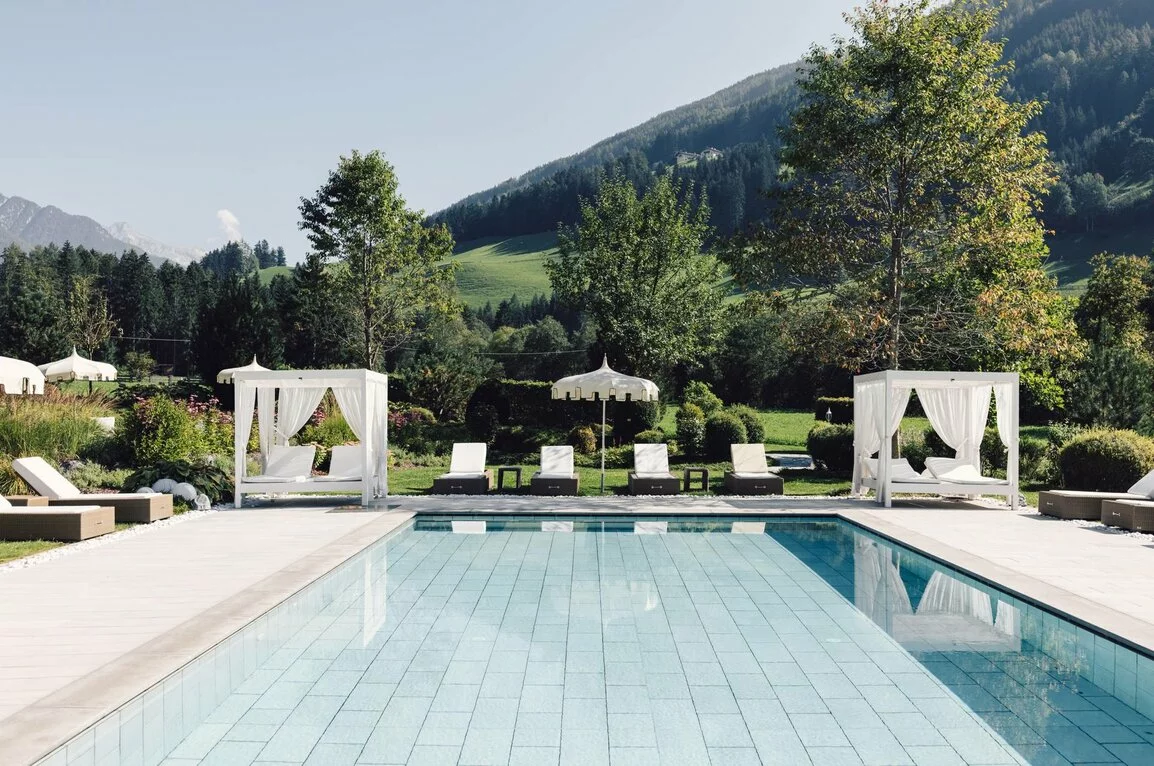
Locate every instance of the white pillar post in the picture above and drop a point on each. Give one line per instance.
(603, 446)
(367, 439)
(883, 493)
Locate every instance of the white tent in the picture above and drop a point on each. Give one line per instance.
(107, 371)
(72, 367)
(957, 405)
(285, 400)
(604, 384)
(19, 377)
(226, 375)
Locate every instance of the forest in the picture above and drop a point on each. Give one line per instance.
(1090, 61)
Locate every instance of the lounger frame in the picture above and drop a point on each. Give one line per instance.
(66, 525)
(654, 485)
(463, 485)
(1086, 507)
(768, 484)
(554, 486)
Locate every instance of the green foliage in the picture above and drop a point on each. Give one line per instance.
(93, 477)
(650, 436)
(329, 431)
(210, 477)
(1037, 462)
(1112, 310)
(55, 426)
(690, 421)
(1104, 460)
(447, 368)
(993, 452)
(32, 319)
(1113, 387)
(635, 265)
(391, 269)
(754, 429)
(158, 430)
(831, 446)
(699, 394)
(840, 409)
(137, 365)
(583, 440)
(721, 430)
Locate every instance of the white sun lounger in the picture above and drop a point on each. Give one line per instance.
(651, 475)
(751, 474)
(286, 465)
(557, 475)
(136, 507)
(467, 474)
(345, 464)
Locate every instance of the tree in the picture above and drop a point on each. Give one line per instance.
(315, 318)
(90, 324)
(635, 264)
(134, 295)
(1112, 310)
(31, 312)
(391, 265)
(911, 195)
(240, 323)
(1091, 197)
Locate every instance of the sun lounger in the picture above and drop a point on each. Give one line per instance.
(344, 464)
(286, 465)
(954, 471)
(557, 475)
(751, 474)
(650, 475)
(1079, 504)
(467, 474)
(1131, 515)
(50, 522)
(130, 506)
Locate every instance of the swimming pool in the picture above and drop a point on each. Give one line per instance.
(539, 640)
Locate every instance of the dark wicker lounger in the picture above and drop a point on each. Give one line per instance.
(1131, 515)
(130, 508)
(1075, 504)
(53, 523)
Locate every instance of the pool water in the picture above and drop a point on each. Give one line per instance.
(692, 641)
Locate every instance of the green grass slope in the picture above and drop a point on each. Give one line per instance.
(266, 275)
(495, 269)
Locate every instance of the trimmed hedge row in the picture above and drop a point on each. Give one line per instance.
(1105, 461)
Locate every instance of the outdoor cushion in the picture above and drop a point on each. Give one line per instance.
(468, 459)
(940, 465)
(556, 462)
(43, 478)
(748, 459)
(967, 474)
(1144, 486)
(651, 460)
(345, 464)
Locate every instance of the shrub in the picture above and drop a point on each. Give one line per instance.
(650, 436)
(840, 408)
(1103, 460)
(721, 430)
(1037, 462)
(207, 475)
(691, 429)
(700, 394)
(483, 420)
(583, 440)
(91, 477)
(754, 429)
(831, 446)
(55, 426)
(159, 429)
(914, 449)
(327, 431)
(615, 457)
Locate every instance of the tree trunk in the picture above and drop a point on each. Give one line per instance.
(895, 298)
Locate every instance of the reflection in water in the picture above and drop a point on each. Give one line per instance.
(376, 595)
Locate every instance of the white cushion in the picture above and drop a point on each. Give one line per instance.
(748, 458)
(461, 475)
(4, 502)
(468, 458)
(758, 475)
(901, 470)
(966, 474)
(651, 460)
(1144, 486)
(940, 465)
(43, 478)
(290, 462)
(266, 479)
(345, 464)
(556, 461)
(653, 475)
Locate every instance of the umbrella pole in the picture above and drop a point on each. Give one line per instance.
(603, 446)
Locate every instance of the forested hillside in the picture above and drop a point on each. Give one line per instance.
(1091, 61)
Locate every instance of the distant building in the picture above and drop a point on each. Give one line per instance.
(709, 153)
(685, 158)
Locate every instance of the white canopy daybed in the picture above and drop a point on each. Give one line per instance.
(957, 405)
(284, 400)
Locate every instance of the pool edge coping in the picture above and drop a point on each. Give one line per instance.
(39, 729)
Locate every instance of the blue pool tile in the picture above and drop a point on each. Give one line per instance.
(486, 747)
(584, 747)
(292, 743)
(333, 755)
(369, 697)
(232, 753)
(537, 730)
(433, 755)
(534, 756)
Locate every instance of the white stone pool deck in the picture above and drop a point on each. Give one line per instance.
(83, 633)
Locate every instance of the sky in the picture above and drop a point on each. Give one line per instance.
(201, 121)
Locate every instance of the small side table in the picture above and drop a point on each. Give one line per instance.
(513, 469)
(696, 473)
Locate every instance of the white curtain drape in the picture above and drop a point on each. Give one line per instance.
(352, 404)
(295, 408)
(266, 417)
(878, 588)
(871, 405)
(958, 415)
(245, 400)
(948, 595)
(1002, 394)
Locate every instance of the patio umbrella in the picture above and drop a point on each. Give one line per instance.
(107, 371)
(71, 367)
(19, 378)
(604, 384)
(225, 376)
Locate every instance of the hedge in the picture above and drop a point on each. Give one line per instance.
(1105, 461)
(840, 408)
(721, 430)
(831, 446)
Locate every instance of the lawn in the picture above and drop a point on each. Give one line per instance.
(10, 550)
(491, 270)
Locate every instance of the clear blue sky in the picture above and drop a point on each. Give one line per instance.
(162, 114)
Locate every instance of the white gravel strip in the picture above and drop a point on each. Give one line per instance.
(95, 542)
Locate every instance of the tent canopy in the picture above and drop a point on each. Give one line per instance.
(226, 375)
(18, 377)
(73, 367)
(285, 400)
(957, 405)
(605, 383)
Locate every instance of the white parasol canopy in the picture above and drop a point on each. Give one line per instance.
(604, 384)
(72, 367)
(107, 371)
(226, 376)
(19, 377)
